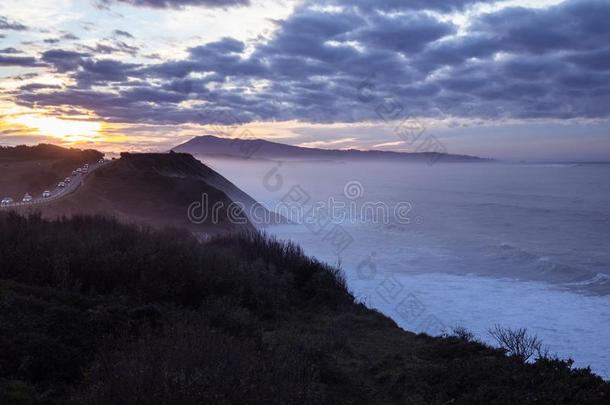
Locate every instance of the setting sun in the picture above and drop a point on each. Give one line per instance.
(66, 129)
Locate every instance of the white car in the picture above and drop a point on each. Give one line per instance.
(6, 201)
(79, 170)
(67, 180)
(27, 198)
(46, 194)
(61, 184)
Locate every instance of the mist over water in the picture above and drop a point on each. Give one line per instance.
(518, 245)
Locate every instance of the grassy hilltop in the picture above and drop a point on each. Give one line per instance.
(155, 189)
(152, 188)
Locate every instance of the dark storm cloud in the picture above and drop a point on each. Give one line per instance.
(24, 61)
(191, 86)
(141, 104)
(120, 33)
(408, 5)
(512, 63)
(70, 37)
(406, 34)
(62, 60)
(222, 57)
(66, 36)
(224, 46)
(10, 51)
(172, 69)
(24, 76)
(38, 86)
(111, 48)
(103, 72)
(180, 3)
(533, 68)
(307, 35)
(596, 59)
(572, 25)
(6, 24)
(86, 69)
(455, 51)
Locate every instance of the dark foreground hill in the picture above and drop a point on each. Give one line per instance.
(96, 312)
(212, 146)
(158, 189)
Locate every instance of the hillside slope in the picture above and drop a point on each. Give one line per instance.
(158, 189)
(33, 169)
(93, 312)
(209, 145)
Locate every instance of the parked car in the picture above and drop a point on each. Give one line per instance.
(67, 180)
(85, 170)
(74, 173)
(86, 166)
(101, 161)
(79, 170)
(46, 194)
(61, 184)
(6, 201)
(27, 198)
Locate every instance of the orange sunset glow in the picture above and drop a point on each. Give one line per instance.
(70, 130)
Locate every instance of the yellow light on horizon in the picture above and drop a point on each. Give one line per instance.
(66, 129)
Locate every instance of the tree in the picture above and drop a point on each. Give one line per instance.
(518, 342)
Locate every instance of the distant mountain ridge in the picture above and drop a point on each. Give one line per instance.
(210, 145)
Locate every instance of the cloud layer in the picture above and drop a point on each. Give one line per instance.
(6, 24)
(342, 63)
(180, 3)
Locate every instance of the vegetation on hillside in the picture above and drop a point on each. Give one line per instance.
(33, 169)
(47, 151)
(157, 189)
(97, 312)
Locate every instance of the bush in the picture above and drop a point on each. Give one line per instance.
(518, 342)
(190, 363)
(462, 333)
(97, 312)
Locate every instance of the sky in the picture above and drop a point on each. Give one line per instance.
(517, 79)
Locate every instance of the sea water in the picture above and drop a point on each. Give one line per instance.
(459, 244)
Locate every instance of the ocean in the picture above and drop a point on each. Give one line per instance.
(457, 244)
